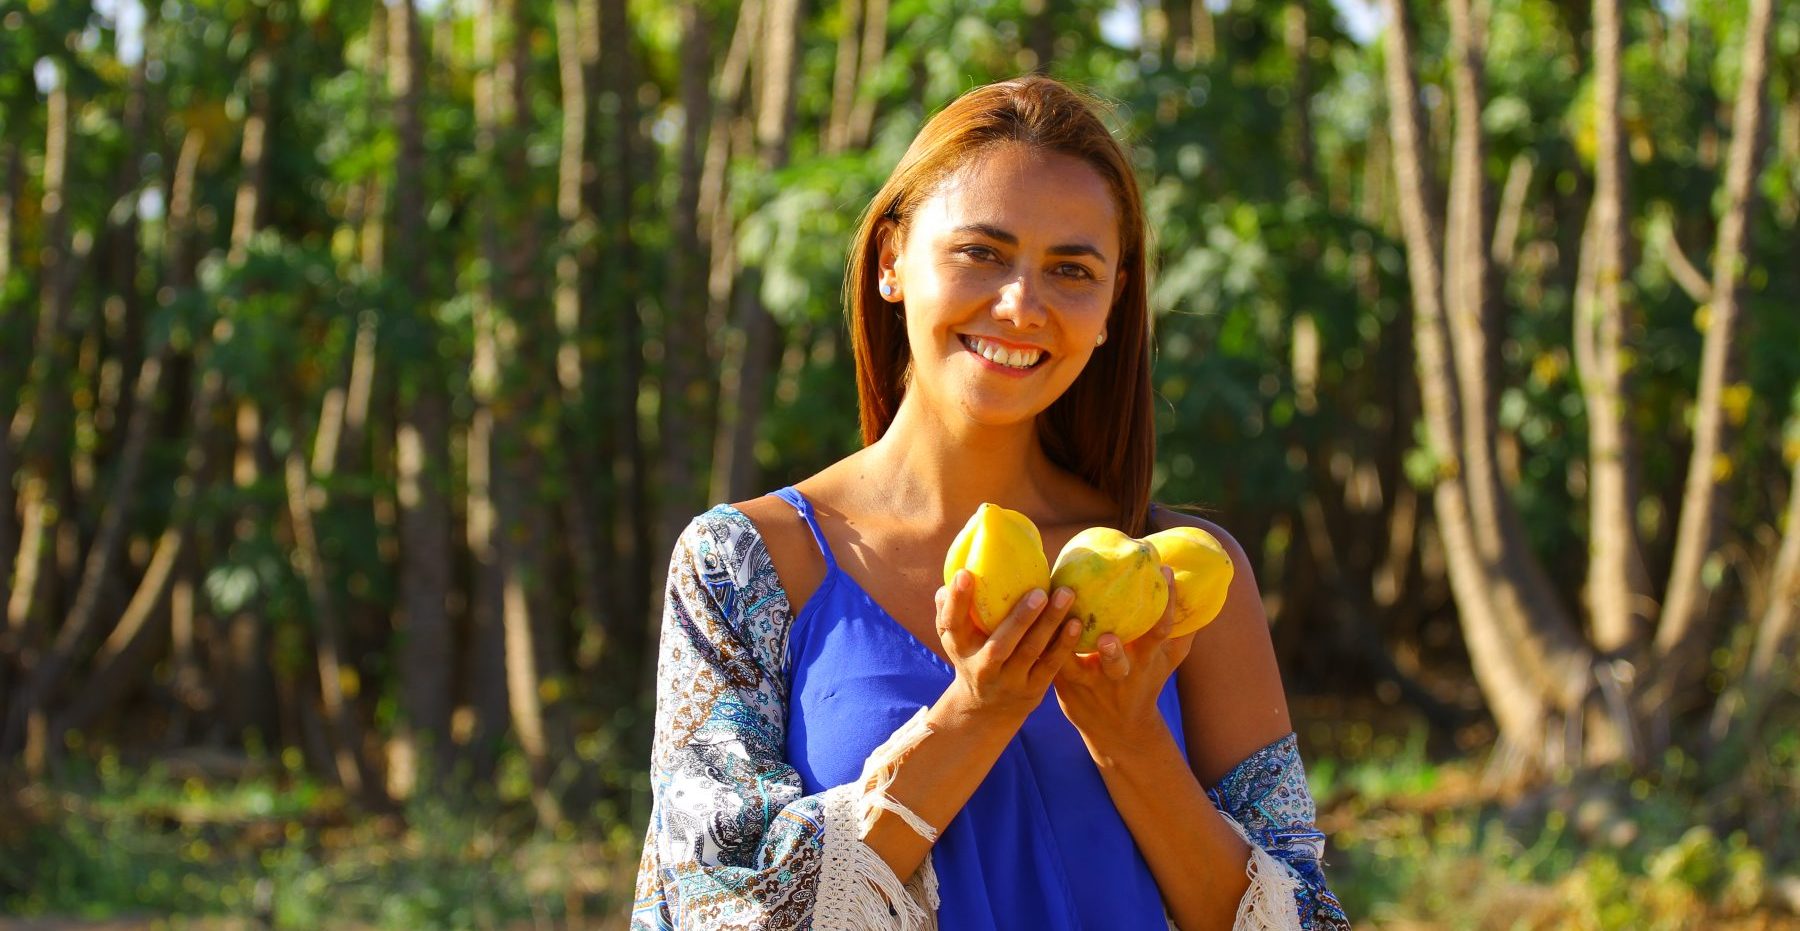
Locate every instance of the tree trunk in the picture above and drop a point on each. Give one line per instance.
(749, 362)
(618, 83)
(44, 435)
(84, 618)
(1153, 27)
(843, 76)
(714, 209)
(1684, 637)
(686, 385)
(1040, 33)
(248, 205)
(1512, 209)
(344, 732)
(13, 359)
(1555, 648)
(1778, 631)
(139, 629)
(1205, 33)
(248, 629)
(506, 337)
(343, 417)
(577, 55)
(874, 49)
(1181, 31)
(1618, 585)
(1515, 694)
(123, 307)
(1296, 32)
(41, 428)
(422, 448)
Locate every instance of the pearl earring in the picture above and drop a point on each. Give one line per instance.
(887, 290)
(1100, 340)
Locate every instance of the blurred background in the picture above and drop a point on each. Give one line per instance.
(359, 363)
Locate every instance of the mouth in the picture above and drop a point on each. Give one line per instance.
(1012, 359)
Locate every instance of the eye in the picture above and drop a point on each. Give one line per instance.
(980, 253)
(1074, 270)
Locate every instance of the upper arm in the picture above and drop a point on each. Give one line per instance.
(732, 838)
(1232, 701)
(790, 545)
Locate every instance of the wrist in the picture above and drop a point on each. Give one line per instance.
(959, 710)
(1130, 748)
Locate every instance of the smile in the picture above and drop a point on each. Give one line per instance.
(1021, 359)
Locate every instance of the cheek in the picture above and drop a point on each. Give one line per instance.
(1086, 311)
(925, 342)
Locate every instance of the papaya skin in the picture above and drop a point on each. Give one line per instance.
(1118, 584)
(1203, 572)
(1003, 550)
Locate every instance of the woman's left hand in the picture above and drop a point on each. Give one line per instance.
(1110, 695)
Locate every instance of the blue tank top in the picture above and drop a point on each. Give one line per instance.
(1039, 846)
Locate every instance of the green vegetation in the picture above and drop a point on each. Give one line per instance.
(111, 841)
(1419, 840)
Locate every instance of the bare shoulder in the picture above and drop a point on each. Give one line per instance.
(1163, 517)
(1232, 700)
(790, 544)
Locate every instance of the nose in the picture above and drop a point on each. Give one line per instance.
(1020, 304)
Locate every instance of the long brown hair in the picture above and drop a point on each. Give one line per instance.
(1101, 428)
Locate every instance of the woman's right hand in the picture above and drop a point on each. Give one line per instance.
(1002, 677)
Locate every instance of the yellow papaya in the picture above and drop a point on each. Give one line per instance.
(1118, 585)
(1005, 553)
(1203, 573)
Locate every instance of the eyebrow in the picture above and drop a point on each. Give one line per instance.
(995, 232)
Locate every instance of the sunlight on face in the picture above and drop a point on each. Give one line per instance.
(1006, 275)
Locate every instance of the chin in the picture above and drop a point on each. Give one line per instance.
(1000, 416)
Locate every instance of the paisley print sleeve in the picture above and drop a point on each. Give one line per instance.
(1267, 799)
(732, 841)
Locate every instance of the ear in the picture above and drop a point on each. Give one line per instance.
(1119, 285)
(887, 260)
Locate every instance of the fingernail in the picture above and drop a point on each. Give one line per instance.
(1035, 600)
(1072, 628)
(1110, 649)
(1063, 597)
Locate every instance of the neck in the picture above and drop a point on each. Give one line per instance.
(939, 469)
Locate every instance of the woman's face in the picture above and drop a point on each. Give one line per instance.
(1006, 276)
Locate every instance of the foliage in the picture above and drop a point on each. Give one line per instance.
(118, 841)
(1418, 838)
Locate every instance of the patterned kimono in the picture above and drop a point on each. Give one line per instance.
(734, 842)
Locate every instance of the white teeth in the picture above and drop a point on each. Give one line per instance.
(1012, 358)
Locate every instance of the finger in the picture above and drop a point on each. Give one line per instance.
(1146, 646)
(1044, 630)
(1017, 624)
(1153, 640)
(1060, 655)
(1078, 669)
(1178, 648)
(956, 629)
(1115, 661)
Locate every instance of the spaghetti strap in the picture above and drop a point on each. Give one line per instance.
(792, 495)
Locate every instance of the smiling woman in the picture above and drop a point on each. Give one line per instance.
(1030, 304)
(838, 745)
(1012, 173)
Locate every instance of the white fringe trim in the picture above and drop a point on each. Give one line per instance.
(878, 774)
(1270, 904)
(858, 891)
